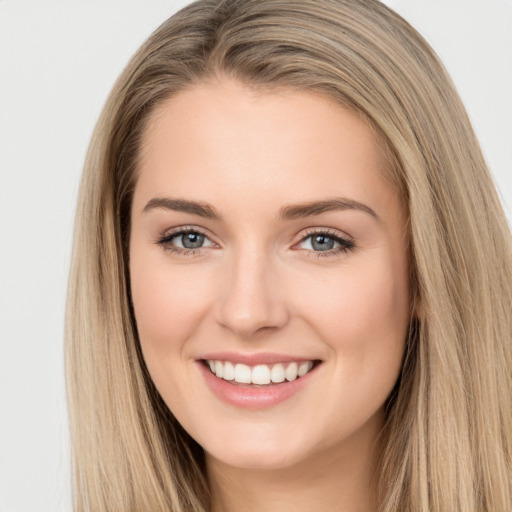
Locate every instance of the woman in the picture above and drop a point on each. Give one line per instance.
(291, 281)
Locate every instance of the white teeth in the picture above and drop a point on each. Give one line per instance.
(291, 371)
(219, 367)
(229, 371)
(277, 374)
(304, 368)
(260, 374)
(243, 373)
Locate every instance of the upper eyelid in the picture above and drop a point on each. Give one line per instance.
(335, 233)
(301, 236)
(164, 240)
(186, 229)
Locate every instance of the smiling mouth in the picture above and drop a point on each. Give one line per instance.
(260, 375)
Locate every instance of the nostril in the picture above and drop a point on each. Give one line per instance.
(250, 302)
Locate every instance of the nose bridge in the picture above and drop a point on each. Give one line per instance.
(251, 300)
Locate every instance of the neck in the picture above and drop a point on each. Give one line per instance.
(339, 479)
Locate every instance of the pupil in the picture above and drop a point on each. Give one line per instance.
(192, 240)
(322, 243)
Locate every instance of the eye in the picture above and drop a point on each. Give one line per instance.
(185, 240)
(325, 242)
(189, 240)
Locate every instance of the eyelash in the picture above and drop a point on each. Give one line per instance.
(165, 241)
(345, 244)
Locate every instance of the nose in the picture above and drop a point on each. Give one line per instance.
(251, 300)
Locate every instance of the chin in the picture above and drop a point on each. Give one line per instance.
(258, 454)
(257, 460)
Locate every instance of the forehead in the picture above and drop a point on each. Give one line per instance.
(225, 141)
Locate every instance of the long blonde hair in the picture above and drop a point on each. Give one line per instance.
(448, 435)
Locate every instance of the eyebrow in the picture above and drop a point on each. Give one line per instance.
(318, 207)
(290, 212)
(182, 205)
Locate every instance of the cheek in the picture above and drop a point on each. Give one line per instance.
(169, 302)
(364, 318)
(363, 315)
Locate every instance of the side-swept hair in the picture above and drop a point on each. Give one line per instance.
(448, 434)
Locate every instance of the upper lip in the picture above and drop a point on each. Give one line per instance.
(253, 359)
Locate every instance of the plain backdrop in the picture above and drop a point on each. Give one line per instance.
(58, 61)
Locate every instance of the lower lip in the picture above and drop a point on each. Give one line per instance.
(249, 397)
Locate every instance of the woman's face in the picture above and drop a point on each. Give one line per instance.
(266, 243)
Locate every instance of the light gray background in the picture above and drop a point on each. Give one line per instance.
(58, 61)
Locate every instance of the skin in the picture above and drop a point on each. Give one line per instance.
(258, 285)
